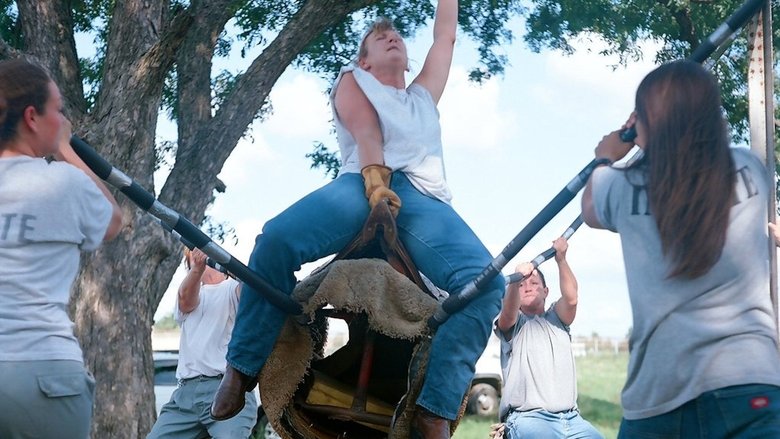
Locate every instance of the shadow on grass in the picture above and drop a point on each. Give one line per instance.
(598, 411)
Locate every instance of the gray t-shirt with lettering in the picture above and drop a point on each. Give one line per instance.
(48, 213)
(537, 365)
(693, 336)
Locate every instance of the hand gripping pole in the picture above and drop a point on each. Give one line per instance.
(547, 254)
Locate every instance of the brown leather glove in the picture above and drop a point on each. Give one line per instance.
(377, 181)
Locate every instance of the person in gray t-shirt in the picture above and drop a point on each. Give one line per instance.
(540, 388)
(691, 214)
(49, 213)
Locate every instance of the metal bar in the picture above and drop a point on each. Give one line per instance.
(769, 114)
(210, 262)
(732, 24)
(183, 226)
(456, 302)
(364, 377)
(547, 254)
(762, 120)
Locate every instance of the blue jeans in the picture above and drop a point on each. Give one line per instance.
(747, 411)
(540, 424)
(439, 242)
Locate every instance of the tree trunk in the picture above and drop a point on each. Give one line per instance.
(121, 284)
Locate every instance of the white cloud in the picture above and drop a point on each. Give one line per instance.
(251, 153)
(300, 108)
(472, 119)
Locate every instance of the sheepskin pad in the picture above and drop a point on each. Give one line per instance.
(393, 306)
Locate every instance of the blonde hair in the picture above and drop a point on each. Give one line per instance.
(381, 24)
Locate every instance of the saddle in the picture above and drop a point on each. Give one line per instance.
(361, 389)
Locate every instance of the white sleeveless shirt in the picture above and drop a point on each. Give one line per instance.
(410, 128)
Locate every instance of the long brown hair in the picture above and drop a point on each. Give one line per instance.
(688, 165)
(22, 84)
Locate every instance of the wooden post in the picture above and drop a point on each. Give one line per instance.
(762, 116)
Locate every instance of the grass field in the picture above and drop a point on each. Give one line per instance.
(599, 379)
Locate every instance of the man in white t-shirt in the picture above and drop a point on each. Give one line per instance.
(206, 310)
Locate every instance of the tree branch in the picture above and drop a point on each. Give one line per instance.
(202, 160)
(157, 61)
(133, 31)
(193, 64)
(140, 51)
(47, 29)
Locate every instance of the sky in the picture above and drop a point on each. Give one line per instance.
(510, 145)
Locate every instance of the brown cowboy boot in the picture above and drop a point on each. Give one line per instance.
(230, 397)
(426, 425)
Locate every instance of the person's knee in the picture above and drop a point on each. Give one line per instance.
(274, 236)
(496, 288)
(488, 303)
(272, 246)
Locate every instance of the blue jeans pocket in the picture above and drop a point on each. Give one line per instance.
(749, 408)
(65, 384)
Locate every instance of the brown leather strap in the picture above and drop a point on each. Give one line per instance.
(379, 239)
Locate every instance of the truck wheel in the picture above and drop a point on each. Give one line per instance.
(483, 400)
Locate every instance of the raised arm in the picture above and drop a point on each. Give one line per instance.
(511, 306)
(189, 290)
(66, 154)
(613, 148)
(566, 306)
(436, 68)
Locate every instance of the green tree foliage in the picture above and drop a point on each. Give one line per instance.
(678, 26)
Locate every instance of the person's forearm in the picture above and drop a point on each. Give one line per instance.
(370, 150)
(67, 154)
(446, 22)
(189, 291)
(510, 307)
(568, 283)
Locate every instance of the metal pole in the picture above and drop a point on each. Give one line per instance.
(456, 302)
(146, 201)
(769, 86)
(762, 118)
(547, 254)
(722, 36)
